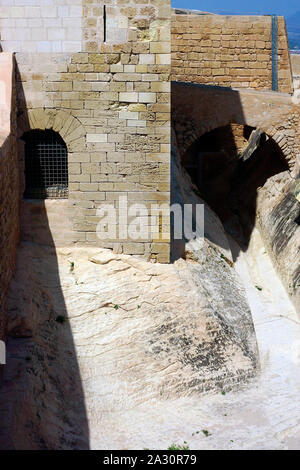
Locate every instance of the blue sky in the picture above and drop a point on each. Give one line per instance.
(277, 7)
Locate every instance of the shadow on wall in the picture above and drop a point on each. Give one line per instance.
(42, 399)
(213, 153)
(9, 184)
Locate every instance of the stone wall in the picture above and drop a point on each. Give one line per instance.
(295, 62)
(110, 102)
(71, 25)
(9, 184)
(229, 51)
(53, 26)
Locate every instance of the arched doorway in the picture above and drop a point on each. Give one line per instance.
(46, 165)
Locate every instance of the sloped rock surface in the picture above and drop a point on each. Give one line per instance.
(279, 221)
(93, 334)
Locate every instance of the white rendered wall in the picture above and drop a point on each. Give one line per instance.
(54, 26)
(41, 25)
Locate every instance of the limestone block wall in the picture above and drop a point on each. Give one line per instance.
(110, 102)
(229, 51)
(114, 20)
(9, 184)
(72, 25)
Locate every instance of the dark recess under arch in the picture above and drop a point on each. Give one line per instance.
(228, 184)
(46, 165)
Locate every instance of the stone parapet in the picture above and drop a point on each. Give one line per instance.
(232, 51)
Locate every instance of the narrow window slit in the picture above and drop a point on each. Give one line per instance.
(104, 23)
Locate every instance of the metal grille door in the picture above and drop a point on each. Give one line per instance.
(46, 165)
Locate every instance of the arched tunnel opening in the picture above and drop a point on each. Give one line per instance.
(228, 165)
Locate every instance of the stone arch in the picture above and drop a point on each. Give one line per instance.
(225, 181)
(67, 126)
(191, 131)
(62, 122)
(197, 110)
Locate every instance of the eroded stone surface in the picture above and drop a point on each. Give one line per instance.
(278, 219)
(135, 332)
